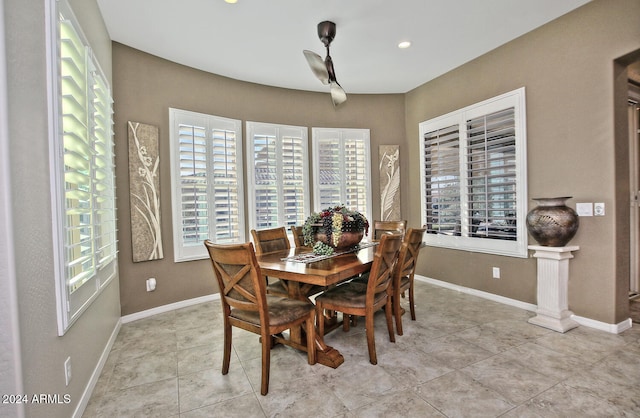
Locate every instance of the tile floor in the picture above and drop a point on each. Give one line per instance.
(464, 357)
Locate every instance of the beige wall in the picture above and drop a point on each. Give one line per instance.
(576, 146)
(147, 86)
(43, 352)
(567, 68)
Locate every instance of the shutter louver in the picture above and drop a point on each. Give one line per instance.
(293, 161)
(226, 219)
(356, 175)
(329, 162)
(491, 175)
(266, 181)
(442, 171)
(193, 184)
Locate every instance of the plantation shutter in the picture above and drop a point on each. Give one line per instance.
(442, 170)
(342, 169)
(207, 182)
(85, 190)
(474, 180)
(491, 175)
(278, 160)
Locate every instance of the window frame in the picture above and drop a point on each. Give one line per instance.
(187, 252)
(279, 132)
(513, 248)
(342, 134)
(99, 169)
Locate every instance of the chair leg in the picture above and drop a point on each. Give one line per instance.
(412, 304)
(389, 315)
(371, 341)
(346, 322)
(266, 364)
(226, 356)
(395, 303)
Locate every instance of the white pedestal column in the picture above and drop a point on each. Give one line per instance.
(553, 281)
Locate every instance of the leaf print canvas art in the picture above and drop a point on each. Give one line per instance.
(389, 182)
(144, 188)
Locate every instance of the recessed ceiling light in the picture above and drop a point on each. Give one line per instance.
(404, 44)
(231, 1)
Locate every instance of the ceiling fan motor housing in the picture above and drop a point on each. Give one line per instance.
(326, 32)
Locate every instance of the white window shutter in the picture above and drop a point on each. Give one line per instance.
(206, 174)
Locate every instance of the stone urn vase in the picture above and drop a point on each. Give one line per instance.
(552, 223)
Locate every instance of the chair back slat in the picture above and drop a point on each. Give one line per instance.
(408, 256)
(381, 228)
(238, 275)
(270, 240)
(298, 236)
(383, 263)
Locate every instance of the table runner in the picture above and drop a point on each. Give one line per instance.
(310, 257)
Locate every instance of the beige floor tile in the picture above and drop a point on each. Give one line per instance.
(463, 356)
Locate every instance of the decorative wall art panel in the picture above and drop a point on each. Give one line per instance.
(144, 187)
(389, 182)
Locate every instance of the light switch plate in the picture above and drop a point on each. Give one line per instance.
(598, 209)
(584, 209)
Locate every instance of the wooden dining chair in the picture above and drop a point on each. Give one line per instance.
(403, 272)
(298, 237)
(269, 241)
(364, 299)
(387, 227)
(246, 305)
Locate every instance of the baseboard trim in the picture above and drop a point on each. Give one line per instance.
(603, 326)
(479, 293)
(587, 322)
(97, 371)
(167, 308)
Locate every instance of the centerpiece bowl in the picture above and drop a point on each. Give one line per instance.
(336, 227)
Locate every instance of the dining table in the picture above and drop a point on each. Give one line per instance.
(302, 270)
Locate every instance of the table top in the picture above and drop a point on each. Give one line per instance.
(324, 272)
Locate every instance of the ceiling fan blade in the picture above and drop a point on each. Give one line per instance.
(337, 93)
(317, 66)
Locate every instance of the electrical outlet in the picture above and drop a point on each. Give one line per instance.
(598, 209)
(496, 272)
(67, 370)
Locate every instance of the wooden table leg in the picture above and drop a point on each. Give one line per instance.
(325, 354)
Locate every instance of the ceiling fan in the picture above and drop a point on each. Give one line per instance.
(323, 69)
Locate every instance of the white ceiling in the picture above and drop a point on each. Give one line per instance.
(261, 41)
